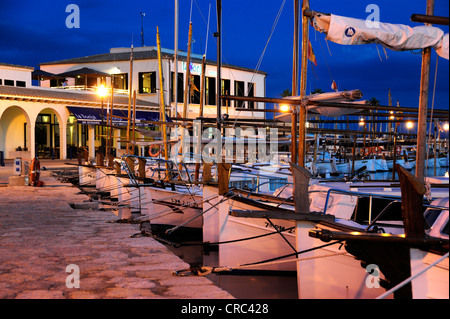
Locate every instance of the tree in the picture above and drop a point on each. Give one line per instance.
(374, 101)
(316, 91)
(286, 92)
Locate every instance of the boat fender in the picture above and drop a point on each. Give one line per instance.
(366, 151)
(398, 149)
(376, 150)
(150, 151)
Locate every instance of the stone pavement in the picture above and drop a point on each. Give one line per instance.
(41, 236)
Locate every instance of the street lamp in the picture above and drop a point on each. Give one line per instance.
(284, 108)
(409, 126)
(102, 91)
(445, 126)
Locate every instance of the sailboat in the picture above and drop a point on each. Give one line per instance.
(412, 264)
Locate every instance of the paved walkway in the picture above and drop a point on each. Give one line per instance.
(43, 242)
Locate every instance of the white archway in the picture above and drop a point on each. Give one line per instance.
(16, 133)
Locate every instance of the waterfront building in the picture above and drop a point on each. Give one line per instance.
(52, 112)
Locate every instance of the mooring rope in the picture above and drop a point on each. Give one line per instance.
(207, 269)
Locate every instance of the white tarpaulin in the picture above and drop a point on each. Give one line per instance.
(397, 37)
(344, 97)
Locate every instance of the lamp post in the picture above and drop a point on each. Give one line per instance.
(102, 91)
(409, 126)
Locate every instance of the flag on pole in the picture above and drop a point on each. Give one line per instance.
(311, 55)
(334, 86)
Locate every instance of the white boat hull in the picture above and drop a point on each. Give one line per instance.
(172, 208)
(434, 283)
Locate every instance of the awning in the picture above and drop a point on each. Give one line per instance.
(94, 116)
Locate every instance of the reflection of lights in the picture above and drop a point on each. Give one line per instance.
(361, 122)
(446, 174)
(284, 108)
(445, 127)
(409, 125)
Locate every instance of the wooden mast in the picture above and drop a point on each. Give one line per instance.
(304, 68)
(186, 96)
(161, 98)
(294, 150)
(423, 105)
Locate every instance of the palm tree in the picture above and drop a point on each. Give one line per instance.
(286, 92)
(374, 101)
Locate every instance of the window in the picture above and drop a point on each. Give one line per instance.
(20, 83)
(9, 82)
(248, 184)
(239, 91)
(58, 82)
(180, 87)
(251, 93)
(1, 83)
(195, 89)
(121, 81)
(431, 215)
(226, 90)
(210, 91)
(445, 229)
(147, 82)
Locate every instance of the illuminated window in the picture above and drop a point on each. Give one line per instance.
(121, 81)
(147, 82)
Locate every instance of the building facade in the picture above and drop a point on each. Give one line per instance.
(55, 117)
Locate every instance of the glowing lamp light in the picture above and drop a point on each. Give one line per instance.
(409, 125)
(284, 108)
(445, 127)
(102, 91)
(361, 122)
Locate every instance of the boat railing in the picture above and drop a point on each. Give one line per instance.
(393, 199)
(352, 193)
(263, 183)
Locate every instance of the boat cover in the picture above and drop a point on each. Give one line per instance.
(397, 37)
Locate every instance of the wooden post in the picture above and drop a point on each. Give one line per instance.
(412, 203)
(423, 105)
(301, 182)
(130, 163)
(141, 168)
(223, 170)
(100, 159)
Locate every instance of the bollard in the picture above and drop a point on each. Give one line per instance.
(18, 166)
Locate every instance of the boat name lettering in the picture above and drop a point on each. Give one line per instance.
(184, 203)
(279, 228)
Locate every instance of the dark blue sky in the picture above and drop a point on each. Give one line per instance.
(32, 32)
